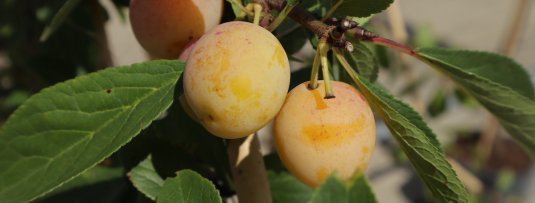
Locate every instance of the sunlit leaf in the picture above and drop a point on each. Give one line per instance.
(62, 131)
(145, 179)
(498, 83)
(361, 8)
(416, 140)
(286, 188)
(188, 186)
(335, 190)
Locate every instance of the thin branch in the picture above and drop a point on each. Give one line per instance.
(332, 10)
(394, 45)
(322, 30)
(517, 26)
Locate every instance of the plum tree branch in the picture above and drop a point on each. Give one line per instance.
(300, 15)
(324, 30)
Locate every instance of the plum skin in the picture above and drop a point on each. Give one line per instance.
(236, 79)
(315, 137)
(165, 27)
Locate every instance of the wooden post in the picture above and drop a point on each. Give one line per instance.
(248, 170)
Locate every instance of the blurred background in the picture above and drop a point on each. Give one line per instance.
(492, 165)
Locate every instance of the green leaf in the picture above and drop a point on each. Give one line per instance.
(363, 60)
(482, 67)
(498, 83)
(360, 191)
(335, 190)
(13, 100)
(418, 142)
(67, 128)
(145, 179)
(286, 188)
(361, 8)
(437, 105)
(95, 175)
(331, 190)
(188, 186)
(98, 184)
(59, 19)
(183, 143)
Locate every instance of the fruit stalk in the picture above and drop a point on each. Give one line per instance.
(323, 48)
(248, 170)
(257, 8)
(313, 84)
(340, 56)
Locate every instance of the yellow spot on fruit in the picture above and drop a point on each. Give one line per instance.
(280, 56)
(241, 87)
(365, 150)
(331, 135)
(225, 61)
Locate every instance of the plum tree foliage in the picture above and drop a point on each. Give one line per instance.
(223, 73)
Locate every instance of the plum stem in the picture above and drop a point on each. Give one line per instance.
(340, 56)
(313, 84)
(323, 49)
(257, 9)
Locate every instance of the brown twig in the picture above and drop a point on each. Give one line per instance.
(517, 25)
(394, 45)
(323, 30)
